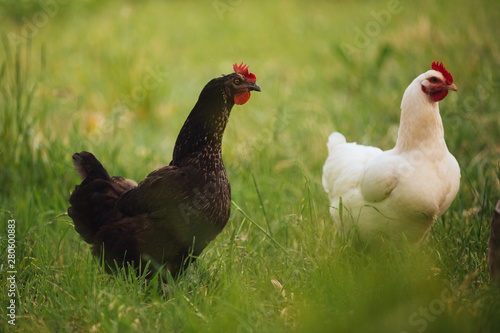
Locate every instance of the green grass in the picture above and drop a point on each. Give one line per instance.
(83, 79)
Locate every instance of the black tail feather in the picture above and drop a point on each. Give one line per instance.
(87, 165)
(93, 201)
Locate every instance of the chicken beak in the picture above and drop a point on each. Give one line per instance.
(451, 86)
(253, 86)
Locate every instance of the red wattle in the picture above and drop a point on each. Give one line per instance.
(242, 98)
(438, 96)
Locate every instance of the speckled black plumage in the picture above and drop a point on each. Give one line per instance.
(177, 209)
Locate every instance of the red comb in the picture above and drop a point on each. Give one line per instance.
(243, 70)
(440, 68)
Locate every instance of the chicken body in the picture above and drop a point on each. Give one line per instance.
(177, 209)
(402, 191)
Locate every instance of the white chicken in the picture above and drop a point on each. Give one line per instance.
(397, 193)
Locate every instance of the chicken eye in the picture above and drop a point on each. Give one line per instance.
(237, 81)
(434, 79)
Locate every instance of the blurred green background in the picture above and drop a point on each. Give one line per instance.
(118, 78)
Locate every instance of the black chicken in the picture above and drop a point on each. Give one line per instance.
(178, 209)
(494, 246)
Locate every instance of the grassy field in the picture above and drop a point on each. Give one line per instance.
(118, 78)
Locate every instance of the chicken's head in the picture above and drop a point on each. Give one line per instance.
(438, 82)
(240, 83)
